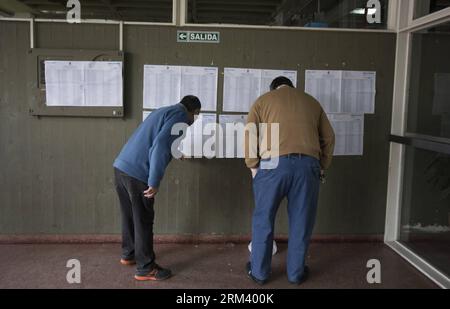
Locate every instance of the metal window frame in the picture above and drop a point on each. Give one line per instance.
(400, 139)
(431, 143)
(421, 264)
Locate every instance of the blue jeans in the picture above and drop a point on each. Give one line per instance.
(296, 177)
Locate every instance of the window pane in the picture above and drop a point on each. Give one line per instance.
(129, 10)
(425, 7)
(429, 85)
(426, 206)
(295, 13)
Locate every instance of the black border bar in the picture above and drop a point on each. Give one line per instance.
(423, 142)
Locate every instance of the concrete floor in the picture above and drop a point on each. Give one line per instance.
(214, 266)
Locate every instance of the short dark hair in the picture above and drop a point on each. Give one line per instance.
(191, 102)
(279, 81)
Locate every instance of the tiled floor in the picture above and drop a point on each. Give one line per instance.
(221, 266)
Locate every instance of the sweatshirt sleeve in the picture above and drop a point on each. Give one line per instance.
(327, 140)
(160, 153)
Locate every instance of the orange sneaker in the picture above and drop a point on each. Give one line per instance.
(156, 274)
(127, 262)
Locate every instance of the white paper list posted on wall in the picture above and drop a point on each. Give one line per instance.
(193, 143)
(201, 82)
(84, 83)
(232, 143)
(358, 92)
(166, 85)
(342, 91)
(241, 89)
(325, 87)
(162, 85)
(349, 131)
(267, 76)
(243, 86)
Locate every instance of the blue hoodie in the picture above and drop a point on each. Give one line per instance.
(148, 151)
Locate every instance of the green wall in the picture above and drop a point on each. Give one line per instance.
(56, 175)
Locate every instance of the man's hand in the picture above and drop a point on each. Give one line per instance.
(150, 192)
(254, 171)
(323, 177)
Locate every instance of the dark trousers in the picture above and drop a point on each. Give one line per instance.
(296, 177)
(137, 221)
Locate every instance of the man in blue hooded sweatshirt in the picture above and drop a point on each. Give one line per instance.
(138, 171)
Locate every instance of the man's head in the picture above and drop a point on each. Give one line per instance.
(193, 106)
(280, 81)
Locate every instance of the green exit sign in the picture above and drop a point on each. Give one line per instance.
(198, 37)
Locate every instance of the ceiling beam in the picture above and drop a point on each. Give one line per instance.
(340, 15)
(14, 7)
(239, 20)
(149, 4)
(194, 11)
(6, 13)
(288, 9)
(233, 9)
(242, 2)
(112, 9)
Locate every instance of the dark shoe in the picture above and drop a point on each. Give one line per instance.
(156, 274)
(127, 262)
(303, 278)
(249, 274)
